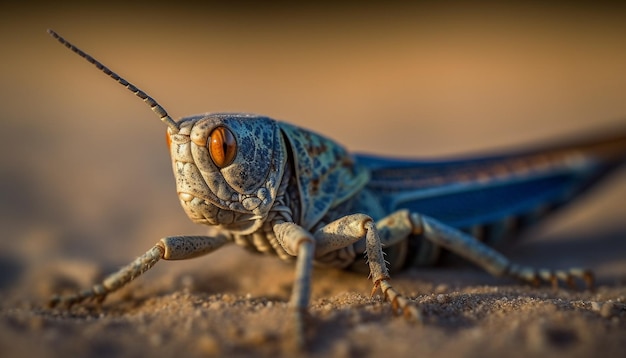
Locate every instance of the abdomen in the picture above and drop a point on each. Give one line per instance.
(494, 197)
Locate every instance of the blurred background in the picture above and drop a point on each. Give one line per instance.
(85, 175)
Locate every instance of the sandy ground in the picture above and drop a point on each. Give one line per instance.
(87, 186)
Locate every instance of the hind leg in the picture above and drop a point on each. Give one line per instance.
(397, 227)
(469, 248)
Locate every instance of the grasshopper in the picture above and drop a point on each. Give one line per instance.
(277, 189)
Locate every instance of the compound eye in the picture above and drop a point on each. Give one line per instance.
(222, 146)
(168, 139)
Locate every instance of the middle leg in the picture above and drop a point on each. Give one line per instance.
(352, 228)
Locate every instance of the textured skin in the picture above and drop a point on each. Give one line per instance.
(326, 174)
(236, 198)
(502, 194)
(240, 198)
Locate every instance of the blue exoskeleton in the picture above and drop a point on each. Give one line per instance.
(278, 189)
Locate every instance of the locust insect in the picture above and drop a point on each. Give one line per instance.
(278, 189)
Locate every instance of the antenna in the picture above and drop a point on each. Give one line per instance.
(154, 105)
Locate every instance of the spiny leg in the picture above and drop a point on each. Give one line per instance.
(380, 276)
(169, 248)
(351, 228)
(492, 261)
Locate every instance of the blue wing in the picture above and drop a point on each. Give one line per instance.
(481, 190)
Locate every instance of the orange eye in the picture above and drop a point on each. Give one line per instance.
(222, 146)
(168, 139)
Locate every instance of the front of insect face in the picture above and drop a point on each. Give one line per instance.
(228, 168)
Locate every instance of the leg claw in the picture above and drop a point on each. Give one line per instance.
(568, 277)
(399, 304)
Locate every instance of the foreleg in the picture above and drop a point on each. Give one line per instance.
(169, 248)
(299, 243)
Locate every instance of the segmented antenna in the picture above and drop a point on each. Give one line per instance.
(154, 106)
